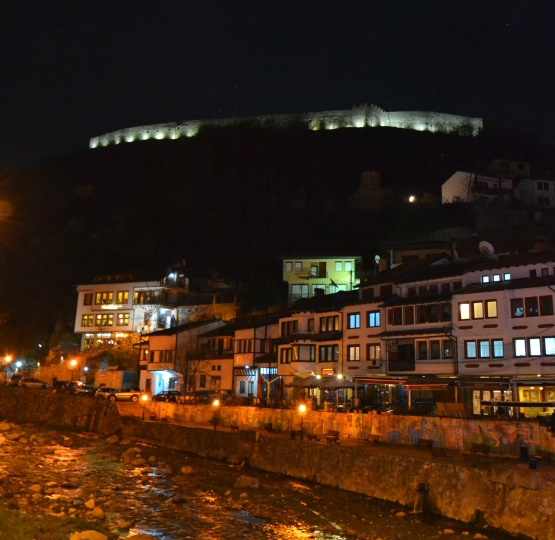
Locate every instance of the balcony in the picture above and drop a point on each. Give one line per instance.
(213, 354)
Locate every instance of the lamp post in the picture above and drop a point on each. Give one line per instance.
(7, 360)
(144, 399)
(216, 418)
(72, 364)
(302, 410)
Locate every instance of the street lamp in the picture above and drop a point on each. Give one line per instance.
(72, 364)
(18, 364)
(7, 360)
(216, 418)
(144, 399)
(302, 410)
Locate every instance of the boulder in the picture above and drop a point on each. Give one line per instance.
(97, 513)
(90, 503)
(187, 469)
(88, 535)
(138, 462)
(113, 439)
(152, 459)
(35, 488)
(246, 482)
(5, 426)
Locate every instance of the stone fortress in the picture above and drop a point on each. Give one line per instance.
(358, 117)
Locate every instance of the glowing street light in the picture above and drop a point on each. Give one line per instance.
(144, 399)
(302, 410)
(412, 198)
(216, 417)
(72, 364)
(7, 362)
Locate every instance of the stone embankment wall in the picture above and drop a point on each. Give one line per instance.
(504, 495)
(504, 437)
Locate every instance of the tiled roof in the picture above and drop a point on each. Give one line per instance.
(524, 283)
(181, 328)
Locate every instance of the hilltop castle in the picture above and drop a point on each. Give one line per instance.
(360, 116)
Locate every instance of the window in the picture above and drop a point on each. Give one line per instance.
(374, 352)
(103, 298)
(435, 350)
(422, 314)
(314, 270)
(447, 347)
(328, 353)
(242, 387)
(546, 305)
(507, 277)
(485, 279)
(286, 355)
(533, 273)
(477, 310)
(496, 277)
(87, 320)
(123, 297)
(484, 348)
(298, 266)
(397, 316)
(348, 266)
(354, 320)
(310, 325)
(329, 323)
(299, 290)
(549, 346)
(373, 319)
(422, 289)
(434, 288)
(87, 298)
(497, 347)
(409, 314)
(123, 319)
(445, 287)
(422, 348)
(532, 309)
(353, 353)
(519, 346)
(339, 266)
(304, 353)
(545, 271)
(457, 285)
(105, 319)
(289, 327)
(143, 297)
(491, 309)
(288, 266)
(517, 308)
(445, 311)
(470, 349)
(535, 347)
(202, 383)
(411, 291)
(464, 311)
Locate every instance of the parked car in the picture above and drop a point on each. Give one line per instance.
(106, 392)
(167, 395)
(31, 382)
(128, 393)
(85, 390)
(200, 397)
(14, 381)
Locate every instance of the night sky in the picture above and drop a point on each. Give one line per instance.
(71, 70)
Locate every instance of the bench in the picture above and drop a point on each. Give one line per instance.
(479, 449)
(424, 443)
(234, 427)
(332, 436)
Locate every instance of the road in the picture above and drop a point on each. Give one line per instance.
(53, 483)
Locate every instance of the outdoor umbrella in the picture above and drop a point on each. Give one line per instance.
(305, 382)
(334, 382)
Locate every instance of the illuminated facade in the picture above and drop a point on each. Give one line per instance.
(309, 276)
(358, 117)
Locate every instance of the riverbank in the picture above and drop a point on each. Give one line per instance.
(498, 492)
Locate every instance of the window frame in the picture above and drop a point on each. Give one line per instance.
(353, 320)
(374, 316)
(353, 349)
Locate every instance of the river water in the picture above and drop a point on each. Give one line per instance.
(158, 499)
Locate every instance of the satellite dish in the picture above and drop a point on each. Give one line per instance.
(377, 259)
(486, 248)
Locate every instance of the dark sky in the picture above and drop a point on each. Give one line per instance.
(74, 69)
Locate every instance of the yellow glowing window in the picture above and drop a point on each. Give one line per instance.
(464, 311)
(123, 319)
(491, 309)
(477, 310)
(123, 297)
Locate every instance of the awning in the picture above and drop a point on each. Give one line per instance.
(425, 386)
(377, 380)
(244, 372)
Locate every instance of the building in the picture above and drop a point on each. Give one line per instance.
(307, 276)
(471, 187)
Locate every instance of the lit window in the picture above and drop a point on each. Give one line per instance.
(354, 320)
(288, 266)
(105, 319)
(339, 266)
(470, 349)
(491, 309)
(549, 346)
(123, 297)
(374, 352)
(484, 348)
(507, 276)
(348, 266)
(520, 347)
(497, 348)
(298, 266)
(496, 277)
(464, 311)
(517, 308)
(477, 310)
(485, 279)
(123, 319)
(87, 320)
(353, 353)
(373, 319)
(535, 346)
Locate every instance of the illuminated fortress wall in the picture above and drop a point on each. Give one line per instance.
(357, 117)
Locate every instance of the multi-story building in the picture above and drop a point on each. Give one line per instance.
(309, 276)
